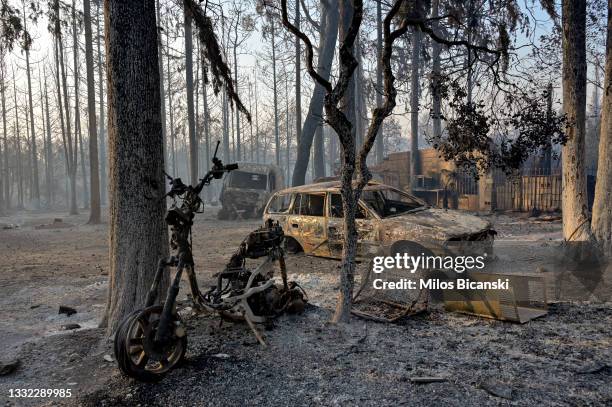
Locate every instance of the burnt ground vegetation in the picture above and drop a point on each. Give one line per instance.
(562, 359)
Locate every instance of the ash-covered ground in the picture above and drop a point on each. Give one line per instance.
(564, 358)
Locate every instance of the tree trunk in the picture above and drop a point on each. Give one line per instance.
(237, 135)
(345, 129)
(327, 47)
(77, 106)
(138, 234)
(46, 143)
(319, 153)
(601, 225)
(28, 146)
(257, 141)
(358, 96)
(18, 160)
(298, 79)
(435, 71)
(5, 177)
(102, 132)
(251, 135)
(546, 163)
(574, 194)
(193, 143)
(170, 108)
(226, 130)
(287, 127)
(162, 89)
(70, 148)
(275, 90)
(380, 143)
(49, 159)
(61, 114)
(94, 171)
(414, 108)
(206, 135)
(34, 155)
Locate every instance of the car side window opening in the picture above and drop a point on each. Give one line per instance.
(309, 205)
(389, 202)
(280, 203)
(250, 180)
(336, 210)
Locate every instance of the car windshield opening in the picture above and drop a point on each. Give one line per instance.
(247, 180)
(390, 202)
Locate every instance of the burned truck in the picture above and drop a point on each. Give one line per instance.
(246, 191)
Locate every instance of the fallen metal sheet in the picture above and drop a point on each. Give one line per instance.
(523, 301)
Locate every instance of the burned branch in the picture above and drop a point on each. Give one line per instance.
(212, 56)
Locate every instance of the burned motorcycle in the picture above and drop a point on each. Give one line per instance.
(151, 341)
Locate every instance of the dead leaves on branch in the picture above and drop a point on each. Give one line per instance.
(212, 57)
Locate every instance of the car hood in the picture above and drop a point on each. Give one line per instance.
(439, 224)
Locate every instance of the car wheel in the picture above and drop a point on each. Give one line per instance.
(292, 246)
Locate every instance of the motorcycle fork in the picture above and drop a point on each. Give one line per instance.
(164, 332)
(161, 267)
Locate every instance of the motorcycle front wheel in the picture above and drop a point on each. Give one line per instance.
(136, 351)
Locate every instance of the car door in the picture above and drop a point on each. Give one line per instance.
(364, 221)
(308, 223)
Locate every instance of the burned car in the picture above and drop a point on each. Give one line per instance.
(312, 218)
(245, 191)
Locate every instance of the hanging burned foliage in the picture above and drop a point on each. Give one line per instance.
(212, 56)
(11, 27)
(477, 138)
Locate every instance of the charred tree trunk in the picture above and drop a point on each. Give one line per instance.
(49, 160)
(257, 140)
(138, 234)
(547, 150)
(319, 153)
(226, 130)
(287, 128)
(601, 225)
(206, 134)
(35, 193)
(298, 79)
(162, 89)
(574, 194)
(237, 138)
(94, 171)
(102, 131)
(170, 108)
(275, 90)
(327, 47)
(77, 106)
(380, 142)
(5, 163)
(193, 143)
(70, 145)
(46, 144)
(435, 73)
(60, 110)
(338, 120)
(18, 161)
(415, 167)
